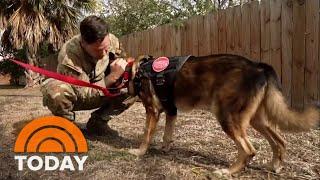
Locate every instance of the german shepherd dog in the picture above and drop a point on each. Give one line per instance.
(239, 92)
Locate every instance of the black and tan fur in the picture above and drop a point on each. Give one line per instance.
(240, 93)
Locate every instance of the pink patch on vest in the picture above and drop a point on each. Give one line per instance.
(160, 64)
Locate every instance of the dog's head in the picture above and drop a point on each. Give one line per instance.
(134, 82)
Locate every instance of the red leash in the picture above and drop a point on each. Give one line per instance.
(67, 79)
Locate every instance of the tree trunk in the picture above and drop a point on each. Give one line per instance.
(32, 79)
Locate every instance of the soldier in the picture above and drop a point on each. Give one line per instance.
(91, 56)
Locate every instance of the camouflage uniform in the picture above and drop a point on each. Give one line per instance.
(63, 99)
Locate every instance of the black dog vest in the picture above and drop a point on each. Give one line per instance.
(163, 81)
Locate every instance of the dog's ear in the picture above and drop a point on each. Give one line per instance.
(136, 64)
(138, 61)
(150, 57)
(144, 58)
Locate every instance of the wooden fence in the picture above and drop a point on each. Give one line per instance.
(283, 33)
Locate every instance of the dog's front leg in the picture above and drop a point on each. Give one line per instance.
(151, 123)
(168, 132)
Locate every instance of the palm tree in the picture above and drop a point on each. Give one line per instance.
(30, 23)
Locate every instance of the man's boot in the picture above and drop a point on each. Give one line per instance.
(98, 121)
(99, 126)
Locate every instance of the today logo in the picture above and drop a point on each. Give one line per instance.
(50, 134)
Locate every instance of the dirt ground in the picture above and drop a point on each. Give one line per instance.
(200, 147)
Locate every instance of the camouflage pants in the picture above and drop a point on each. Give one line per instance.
(63, 99)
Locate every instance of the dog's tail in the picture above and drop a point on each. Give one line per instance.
(279, 112)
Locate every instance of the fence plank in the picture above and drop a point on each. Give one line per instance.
(312, 54)
(245, 30)
(275, 31)
(183, 35)
(194, 35)
(299, 27)
(319, 57)
(139, 47)
(255, 31)
(191, 37)
(166, 40)
(204, 35)
(162, 44)
(147, 41)
(265, 31)
(151, 42)
(144, 42)
(222, 31)
(136, 48)
(230, 30)
(157, 35)
(177, 40)
(172, 50)
(201, 34)
(123, 43)
(286, 50)
(237, 33)
(188, 37)
(126, 45)
(130, 47)
(214, 32)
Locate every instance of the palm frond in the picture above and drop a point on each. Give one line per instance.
(87, 5)
(7, 8)
(28, 28)
(37, 21)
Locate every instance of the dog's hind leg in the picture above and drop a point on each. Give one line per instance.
(235, 125)
(151, 123)
(259, 123)
(245, 150)
(168, 132)
(279, 153)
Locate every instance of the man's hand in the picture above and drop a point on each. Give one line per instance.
(117, 68)
(130, 60)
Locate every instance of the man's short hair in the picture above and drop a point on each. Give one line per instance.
(93, 29)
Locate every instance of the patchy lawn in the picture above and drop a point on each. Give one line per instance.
(200, 146)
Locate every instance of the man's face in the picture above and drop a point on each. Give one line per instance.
(97, 49)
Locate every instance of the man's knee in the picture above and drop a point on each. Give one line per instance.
(59, 98)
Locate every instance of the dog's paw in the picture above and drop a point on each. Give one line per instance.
(165, 147)
(222, 172)
(274, 167)
(136, 152)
